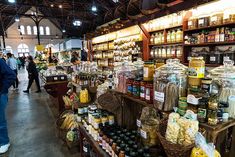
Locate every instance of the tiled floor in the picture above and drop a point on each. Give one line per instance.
(31, 125)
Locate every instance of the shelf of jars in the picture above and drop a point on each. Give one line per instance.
(106, 46)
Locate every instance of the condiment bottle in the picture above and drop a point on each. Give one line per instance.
(142, 90)
(149, 92)
(130, 86)
(136, 88)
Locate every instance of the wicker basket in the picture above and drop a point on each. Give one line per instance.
(61, 133)
(171, 149)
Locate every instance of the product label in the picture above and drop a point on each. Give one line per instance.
(190, 23)
(138, 123)
(147, 94)
(213, 59)
(142, 92)
(191, 99)
(196, 72)
(62, 78)
(201, 113)
(159, 96)
(146, 72)
(136, 91)
(221, 37)
(214, 18)
(143, 134)
(201, 21)
(55, 78)
(85, 149)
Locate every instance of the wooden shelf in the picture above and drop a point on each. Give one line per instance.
(102, 58)
(102, 50)
(209, 27)
(209, 44)
(167, 44)
(83, 133)
(160, 30)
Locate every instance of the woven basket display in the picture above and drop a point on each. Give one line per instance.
(171, 149)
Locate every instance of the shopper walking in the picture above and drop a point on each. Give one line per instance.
(12, 63)
(7, 78)
(32, 74)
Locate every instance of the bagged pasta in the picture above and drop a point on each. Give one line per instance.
(173, 117)
(172, 131)
(203, 149)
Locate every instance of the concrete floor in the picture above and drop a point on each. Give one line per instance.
(31, 125)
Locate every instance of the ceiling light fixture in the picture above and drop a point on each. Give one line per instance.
(94, 8)
(17, 18)
(77, 23)
(60, 6)
(11, 1)
(52, 5)
(63, 30)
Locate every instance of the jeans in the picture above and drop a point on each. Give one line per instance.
(4, 139)
(31, 79)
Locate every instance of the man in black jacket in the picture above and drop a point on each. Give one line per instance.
(33, 75)
(7, 78)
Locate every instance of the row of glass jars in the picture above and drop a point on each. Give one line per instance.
(166, 52)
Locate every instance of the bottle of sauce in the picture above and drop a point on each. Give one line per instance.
(173, 36)
(130, 86)
(142, 90)
(136, 88)
(149, 92)
(168, 37)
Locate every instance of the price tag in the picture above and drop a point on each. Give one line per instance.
(214, 18)
(143, 134)
(62, 78)
(226, 58)
(138, 123)
(212, 59)
(159, 96)
(85, 149)
(192, 99)
(146, 72)
(55, 78)
(201, 21)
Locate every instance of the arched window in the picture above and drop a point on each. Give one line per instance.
(48, 30)
(23, 48)
(9, 49)
(41, 30)
(35, 31)
(29, 30)
(22, 29)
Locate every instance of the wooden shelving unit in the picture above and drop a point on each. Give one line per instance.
(168, 44)
(210, 44)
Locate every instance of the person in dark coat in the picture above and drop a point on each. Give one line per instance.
(33, 75)
(7, 78)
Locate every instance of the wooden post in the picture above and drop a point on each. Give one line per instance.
(146, 41)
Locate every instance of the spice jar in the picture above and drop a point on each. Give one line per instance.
(213, 103)
(142, 90)
(130, 86)
(136, 88)
(148, 71)
(196, 67)
(97, 122)
(111, 119)
(149, 92)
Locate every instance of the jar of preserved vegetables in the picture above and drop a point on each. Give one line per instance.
(196, 67)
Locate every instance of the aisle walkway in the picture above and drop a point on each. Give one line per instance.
(31, 125)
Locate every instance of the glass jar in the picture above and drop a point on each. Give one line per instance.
(170, 82)
(206, 84)
(130, 86)
(216, 58)
(203, 21)
(228, 55)
(192, 23)
(149, 135)
(216, 18)
(142, 90)
(212, 117)
(202, 110)
(179, 35)
(196, 67)
(148, 71)
(136, 88)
